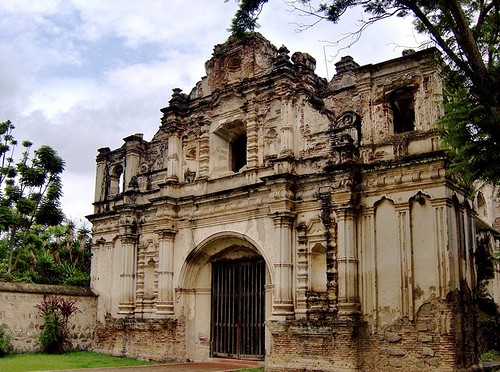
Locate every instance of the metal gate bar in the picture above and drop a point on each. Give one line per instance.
(238, 309)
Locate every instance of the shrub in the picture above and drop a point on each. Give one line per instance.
(4, 343)
(55, 335)
(69, 274)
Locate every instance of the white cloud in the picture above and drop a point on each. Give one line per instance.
(34, 7)
(59, 96)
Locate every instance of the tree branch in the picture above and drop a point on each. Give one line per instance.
(436, 35)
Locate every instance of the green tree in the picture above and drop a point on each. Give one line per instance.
(59, 254)
(70, 247)
(30, 190)
(467, 32)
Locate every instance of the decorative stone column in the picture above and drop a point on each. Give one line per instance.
(252, 143)
(329, 223)
(174, 149)
(132, 158)
(442, 208)
(127, 296)
(102, 176)
(283, 266)
(287, 119)
(204, 155)
(302, 272)
(165, 301)
(348, 297)
(407, 303)
(367, 261)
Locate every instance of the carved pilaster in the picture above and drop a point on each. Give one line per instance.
(252, 143)
(165, 301)
(173, 157)
(283, 266)
(132, 159)
(302, 272)
(332, 277)
(367, 262)
(204, 155)
(407, 302)
(127, 297)
(287, 119)
(441, 206)
(101, 179)
(348, 296)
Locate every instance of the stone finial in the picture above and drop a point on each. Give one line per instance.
(304, 60)
(134, 138)
(283, 58)
(283, 51)
(104, 151)
(346, 64)
(178, 98)
(407, 52)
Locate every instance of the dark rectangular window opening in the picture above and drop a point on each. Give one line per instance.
(239, 153)
(402, 103)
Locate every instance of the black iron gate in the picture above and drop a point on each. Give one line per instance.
(238, 309)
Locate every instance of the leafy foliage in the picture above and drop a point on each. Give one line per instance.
(246, 16)
(4, 343)
(30, 192)
(476, 154)
(55, 335)
(468, 34)
(35, 245)
(58, 254)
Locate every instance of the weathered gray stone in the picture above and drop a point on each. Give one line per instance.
(397, 363)
(424, 338)
(434, 362)
(428, 352)
(392, 337)
(422, 326)
(395, 352)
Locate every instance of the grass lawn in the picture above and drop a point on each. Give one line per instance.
(69, 360)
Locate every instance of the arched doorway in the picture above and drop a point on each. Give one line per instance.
(238, 305)
(223, 291)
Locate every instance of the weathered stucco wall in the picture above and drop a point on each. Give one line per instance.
(20, 320)
(338, 187)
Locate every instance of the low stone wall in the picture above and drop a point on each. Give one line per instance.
(153, 339)
(314, 345)
(439, 338)
(20, 320)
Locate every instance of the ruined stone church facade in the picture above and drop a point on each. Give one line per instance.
(279, 216)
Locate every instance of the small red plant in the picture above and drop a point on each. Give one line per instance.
(56, 311)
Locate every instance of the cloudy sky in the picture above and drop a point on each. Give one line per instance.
(79, 75)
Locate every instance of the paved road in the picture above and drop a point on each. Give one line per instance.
(216, 366)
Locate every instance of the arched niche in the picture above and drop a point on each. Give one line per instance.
(318, 268)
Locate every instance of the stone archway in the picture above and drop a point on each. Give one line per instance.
(218, 310)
